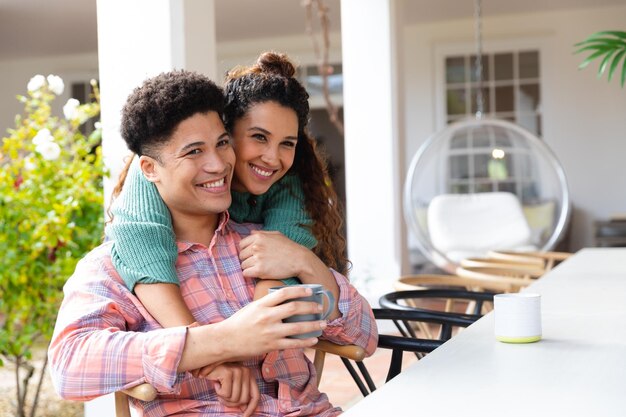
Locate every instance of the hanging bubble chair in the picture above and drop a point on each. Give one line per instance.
(484, 184)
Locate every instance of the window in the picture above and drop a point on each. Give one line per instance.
(511, 87)
(311, 79)
(490, 158)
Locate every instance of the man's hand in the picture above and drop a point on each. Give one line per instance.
(254, 330)
(258, 328)
(234, 384)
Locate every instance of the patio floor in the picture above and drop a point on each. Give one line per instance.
(338, 384)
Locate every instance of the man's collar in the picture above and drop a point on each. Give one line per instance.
(183, 246)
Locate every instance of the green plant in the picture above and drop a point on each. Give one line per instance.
(51, 215)
(608, 45)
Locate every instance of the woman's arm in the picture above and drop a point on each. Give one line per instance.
(144, 249)
(284, 211)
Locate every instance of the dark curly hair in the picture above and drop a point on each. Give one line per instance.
(155, 109)
(272, 79)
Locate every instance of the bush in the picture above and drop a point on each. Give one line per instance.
(51, 215)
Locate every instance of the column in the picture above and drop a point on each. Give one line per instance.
(371, 35)
(142, 38)
(138, 39)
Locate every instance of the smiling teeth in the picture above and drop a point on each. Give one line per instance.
(261, 172)
(215, 184)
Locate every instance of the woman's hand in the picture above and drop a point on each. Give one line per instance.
(270, 255)
(234, 385)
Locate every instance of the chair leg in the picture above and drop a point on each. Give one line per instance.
(446, 332)
(355, 377)
(122, 407)
(396, 364)
(366, 376)
(318, 363)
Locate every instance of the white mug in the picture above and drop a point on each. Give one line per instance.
(517, 317)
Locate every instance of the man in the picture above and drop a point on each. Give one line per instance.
(104, 339)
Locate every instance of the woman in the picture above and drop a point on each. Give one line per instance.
(279, 181)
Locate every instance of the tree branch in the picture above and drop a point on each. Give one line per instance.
(321, 54)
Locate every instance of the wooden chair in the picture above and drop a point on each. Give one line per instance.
(146, 392)
(143, 392)
(548, 259)
(533, 266)
(434, 281)
(350, 352)
(450, 282)
(509, 279)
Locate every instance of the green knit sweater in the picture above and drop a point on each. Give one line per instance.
(144, 246)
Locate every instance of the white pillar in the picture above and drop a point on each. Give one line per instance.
(371, 31)
(138, 39)
(200, 38)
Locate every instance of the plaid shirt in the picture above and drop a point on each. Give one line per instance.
(105, 340)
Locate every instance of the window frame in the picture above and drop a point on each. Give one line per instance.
(445, 50)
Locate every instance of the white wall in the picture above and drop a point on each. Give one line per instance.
(14, 76)
(299, 49)
(584, 119)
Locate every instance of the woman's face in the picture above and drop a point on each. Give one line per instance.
(265, 141)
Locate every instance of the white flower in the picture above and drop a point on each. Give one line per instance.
(97, 125)
(42, 137)
(49, 150)
(55, 84)
(36, 83)
(29, 163)
(70, 108)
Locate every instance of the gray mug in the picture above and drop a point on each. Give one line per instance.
(317, 297)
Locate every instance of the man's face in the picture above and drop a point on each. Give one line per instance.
(195, 169)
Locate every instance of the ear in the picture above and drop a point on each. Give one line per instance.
(149, 168)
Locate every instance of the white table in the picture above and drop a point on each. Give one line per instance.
(577, 369)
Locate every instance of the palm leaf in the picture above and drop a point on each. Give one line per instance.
(605, 61)
(602, 41)
(608, 45)
(590, 58)
(616, 60)
(616, 33)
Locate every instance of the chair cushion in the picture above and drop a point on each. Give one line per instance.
(472, 224)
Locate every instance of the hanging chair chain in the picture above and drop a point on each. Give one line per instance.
(479, 59)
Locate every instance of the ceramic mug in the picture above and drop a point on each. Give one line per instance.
(319, 293)
(517, 317)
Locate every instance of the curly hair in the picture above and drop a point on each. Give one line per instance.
(271, 78)
(154, 110)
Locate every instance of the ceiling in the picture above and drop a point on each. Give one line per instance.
(31, 28)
